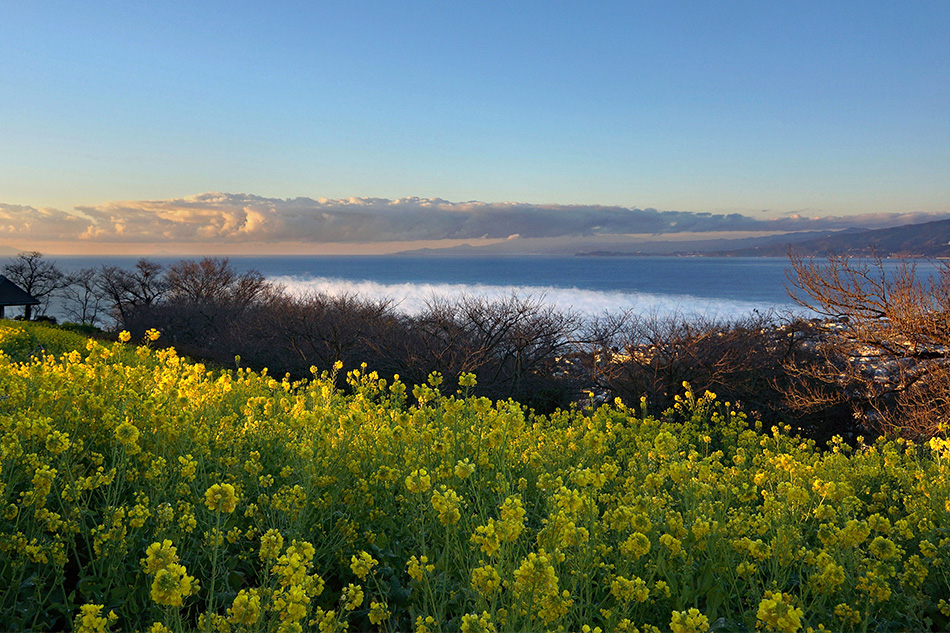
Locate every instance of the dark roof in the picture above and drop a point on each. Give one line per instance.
(13, 295)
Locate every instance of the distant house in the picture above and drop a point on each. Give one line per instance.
(13, 295)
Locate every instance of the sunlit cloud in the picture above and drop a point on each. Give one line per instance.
(42, 224)
(218, 218)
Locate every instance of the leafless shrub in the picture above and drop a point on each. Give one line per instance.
(294, 333)
(924, 405)
(631, 355)
(884, 351)
(514, 345)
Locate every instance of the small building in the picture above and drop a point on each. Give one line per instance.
(13, 295)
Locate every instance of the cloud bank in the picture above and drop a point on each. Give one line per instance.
(237, 218)
(18, 221)
(412, 298)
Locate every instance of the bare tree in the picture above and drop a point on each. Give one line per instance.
(131, 291)
(38, 276)
(204, 300)
(514, 345)
(82, 298)
(885, 348)
(317, 329)
(212, 281)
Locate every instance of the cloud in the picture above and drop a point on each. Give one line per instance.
(412, 298)
(18, 221)
(235, 218)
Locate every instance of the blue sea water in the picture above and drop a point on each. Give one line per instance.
(590, 285)
(719, 287)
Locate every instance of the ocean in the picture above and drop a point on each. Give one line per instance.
(714, 287)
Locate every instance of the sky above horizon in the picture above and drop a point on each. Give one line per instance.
(119, 119)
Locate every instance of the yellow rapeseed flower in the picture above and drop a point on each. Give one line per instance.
(831, 574)
(246, 608)
(418, 567)
(418, 481)
(127, 433)
(378, 612)
(883, 548)
(464, 468)
(221, 498)
(636, 545)
(352, 597)
(172, 584)
(361, 564)
(536, 583)
(90, 619)
(326, 621)
(57, 442)
(692, 621)
(292, 566)
(467, 380)
(777, 612)
(670, 542)
(847, 614)
(485, 580)
(291, 603)
(446, 502)
(511, 525)
(189, 466)
(487, 537)
(625, 590)
(159, 556)
(473, 623)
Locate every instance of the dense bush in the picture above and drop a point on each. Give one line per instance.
(139, 491)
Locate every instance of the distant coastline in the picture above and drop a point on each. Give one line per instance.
(930, 240)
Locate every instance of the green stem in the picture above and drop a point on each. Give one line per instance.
(214, 572)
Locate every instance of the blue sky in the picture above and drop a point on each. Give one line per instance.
(758, 108)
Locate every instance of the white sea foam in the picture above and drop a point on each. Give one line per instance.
(411, 298)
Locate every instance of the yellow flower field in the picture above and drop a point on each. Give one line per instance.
(142, 492)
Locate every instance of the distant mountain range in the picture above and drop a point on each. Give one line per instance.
(713, 247)
(929, 239)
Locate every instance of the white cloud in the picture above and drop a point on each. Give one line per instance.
(18, 221)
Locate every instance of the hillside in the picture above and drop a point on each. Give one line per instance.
(930, 239)
(614, 246)
(142, 492)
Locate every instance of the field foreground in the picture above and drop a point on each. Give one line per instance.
(139, 491)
